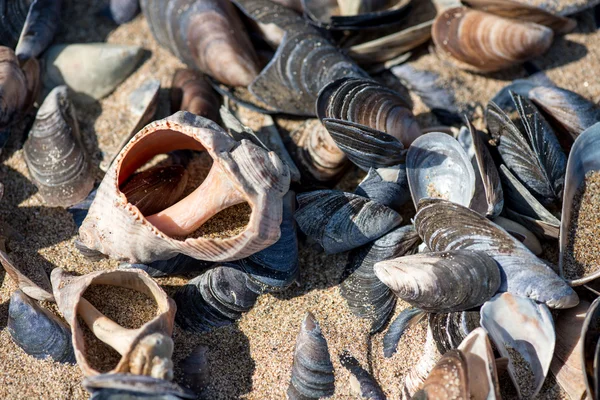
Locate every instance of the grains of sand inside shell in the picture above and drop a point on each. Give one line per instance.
(523, 372)
(583, 248)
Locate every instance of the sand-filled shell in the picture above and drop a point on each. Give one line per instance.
(441, 282)
(241, 172)
(448, 380)
(366, 295)
(590, 334)
(484, 42)
(37, 331)
(341, 221)
(191, 91)
(481, 366)
(129, 386)
(448, 226)
(362, 383)
(18, 86)
(583, 160)
(90, 70)
(13, 14)
(207, 35)
(450, 329)
(388, 186)
(407, 318)
(123, 11)
(437, 166)
(312, 370)
(146, 350)
(522, 331)
(54, 152)
(534, 156)
(368, 103)
(40, 27)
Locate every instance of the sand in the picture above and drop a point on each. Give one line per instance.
(250, 359)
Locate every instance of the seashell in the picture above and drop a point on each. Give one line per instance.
(216, 298)
(312, 370)
(362, 383)
(178, 265)
(535, 157)
(55, 156)
(156, 188)
(123, 11)
(80, 210)
(206, 35)
(476, 40)
(430, 87)
(368, 103)
(449, 379)
(18, 86)
(388, 186)
(441, 282)
(196, 370)
(128, 386)
(446, 226)
(521, 233)
(415, 377)
(191, 91)
(567, 364)
(366, 295)
(449, 330)
(524, 12)
(146, 350)
(437, 166)
(481, 366)
(355, 15)
(531, 213)
(407, 318)
(522, 331)
(389, 48)
(27, 286)
(90, 70)
(582, 160)
(240, 172)
(13, 14)
(37, 331)
(276, 267)
(342, 221)
(316, 153)
(590, 337)
(566, 109)
(39, 29)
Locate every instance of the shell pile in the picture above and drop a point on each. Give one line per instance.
(293, 131)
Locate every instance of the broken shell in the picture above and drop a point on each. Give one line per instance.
(146, 350)
(441, 282)
(449, 330)
(240, 172)
(415, 377)
(522, 331)
(55, 156)
(30, 288)
(123, 11)
(370, 104)
(90, 70)
(366, 295)
(342, 221)
(18, 87)
(216, 298)
(37, 331)
(312, 371)
(40, 27)
(445, 226)
(207, 35)
(191, 91)
(362, 382)
(582, 160)
(437, 166)
(156, 188)
(449, 379)
(481, 366)
(13, 14)
(407, 318)
(388, 186)
(521, 233)
(476, 40)
(590, 334)
(128, 386)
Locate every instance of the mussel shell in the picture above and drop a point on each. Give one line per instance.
(13, 14)
(129, 386)
(449, 379)
(388, 186)
(123, 11)
(407, 318)
(441, 282)
(40, 27)
(521, 233)
(191, 91)
(13, 85)
(590, 333)
(196, 369)
(178, 265)
(37, 331)
(362, 382)
(312, 370)
(342, 221)
(437, 166)
(450, 329)
(370, 14)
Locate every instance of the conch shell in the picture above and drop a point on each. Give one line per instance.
(241, 172)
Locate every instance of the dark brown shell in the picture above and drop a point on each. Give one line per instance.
(191, 91)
